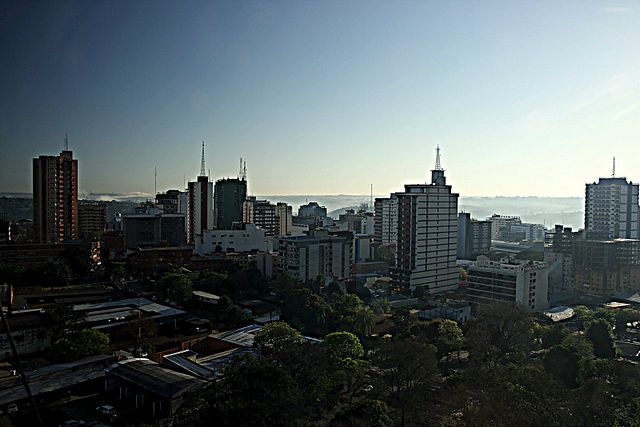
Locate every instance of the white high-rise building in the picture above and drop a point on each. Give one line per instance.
(427, 235)
(386, 220)
(611, 209)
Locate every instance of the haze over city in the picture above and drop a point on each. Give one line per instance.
(324, 98)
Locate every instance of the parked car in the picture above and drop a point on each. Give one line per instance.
(106, 410)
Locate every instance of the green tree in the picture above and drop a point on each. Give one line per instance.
(254, 391)
(366, 413)
(363, 321)
(600, 332)
(86, 342)
(510, 395)
(176, 286)
(408, 369)
(449, 339)
(563, 363)
(275, 337)
(501, 333)
(343, 345)
(306, 311)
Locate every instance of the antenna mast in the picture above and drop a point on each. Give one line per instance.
(244, 171)
(438, 165)
(613, 172)
(155, 180)
(66, 142)
(202, 171)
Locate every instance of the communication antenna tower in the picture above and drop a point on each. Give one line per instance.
(202, 171)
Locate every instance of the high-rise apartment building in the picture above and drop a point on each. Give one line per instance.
(229, 199)
(199, 204)
(474, 237)
(427, 236)
(285, 219)
(92, 218)
(611, 209)
(386, 220)
(55, 197)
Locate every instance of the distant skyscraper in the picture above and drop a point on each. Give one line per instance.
(230, 196)
(55, 197)
(199, 204)
(611, 209)
(427, 236)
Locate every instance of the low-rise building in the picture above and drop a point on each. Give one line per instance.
(144, 230)
(524, 283)
(247, 238)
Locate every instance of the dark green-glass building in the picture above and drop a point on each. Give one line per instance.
(229, 196)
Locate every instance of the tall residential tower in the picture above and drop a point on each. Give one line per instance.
(199, 204)
(427, 236)
(55, 197)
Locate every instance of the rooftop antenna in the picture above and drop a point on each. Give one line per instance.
(438, 165)
(66, 142)
(202, 171)
(155, 180)
(244, 171)
(371, 200)
(613, 172)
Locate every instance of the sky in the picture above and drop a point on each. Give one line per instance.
(323, 97)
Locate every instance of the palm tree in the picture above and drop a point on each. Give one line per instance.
(363, 321)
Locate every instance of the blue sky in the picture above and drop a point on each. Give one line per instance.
(323, 97)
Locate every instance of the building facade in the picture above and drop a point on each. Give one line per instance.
(248, 238)
(55, 198)
(605, 267)
(524, 283)
(149, 230)
(611, 209)
(386, 221)
(318, 254)
(92, 218)
(427, 236)
(474, 237)
(172, 202)
(312, 209)
(230, 196)
(285, 219)
(200, 211)
(501, 225)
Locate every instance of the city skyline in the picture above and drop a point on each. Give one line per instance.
(339, 96)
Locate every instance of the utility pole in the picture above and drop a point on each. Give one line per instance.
(16, 356)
